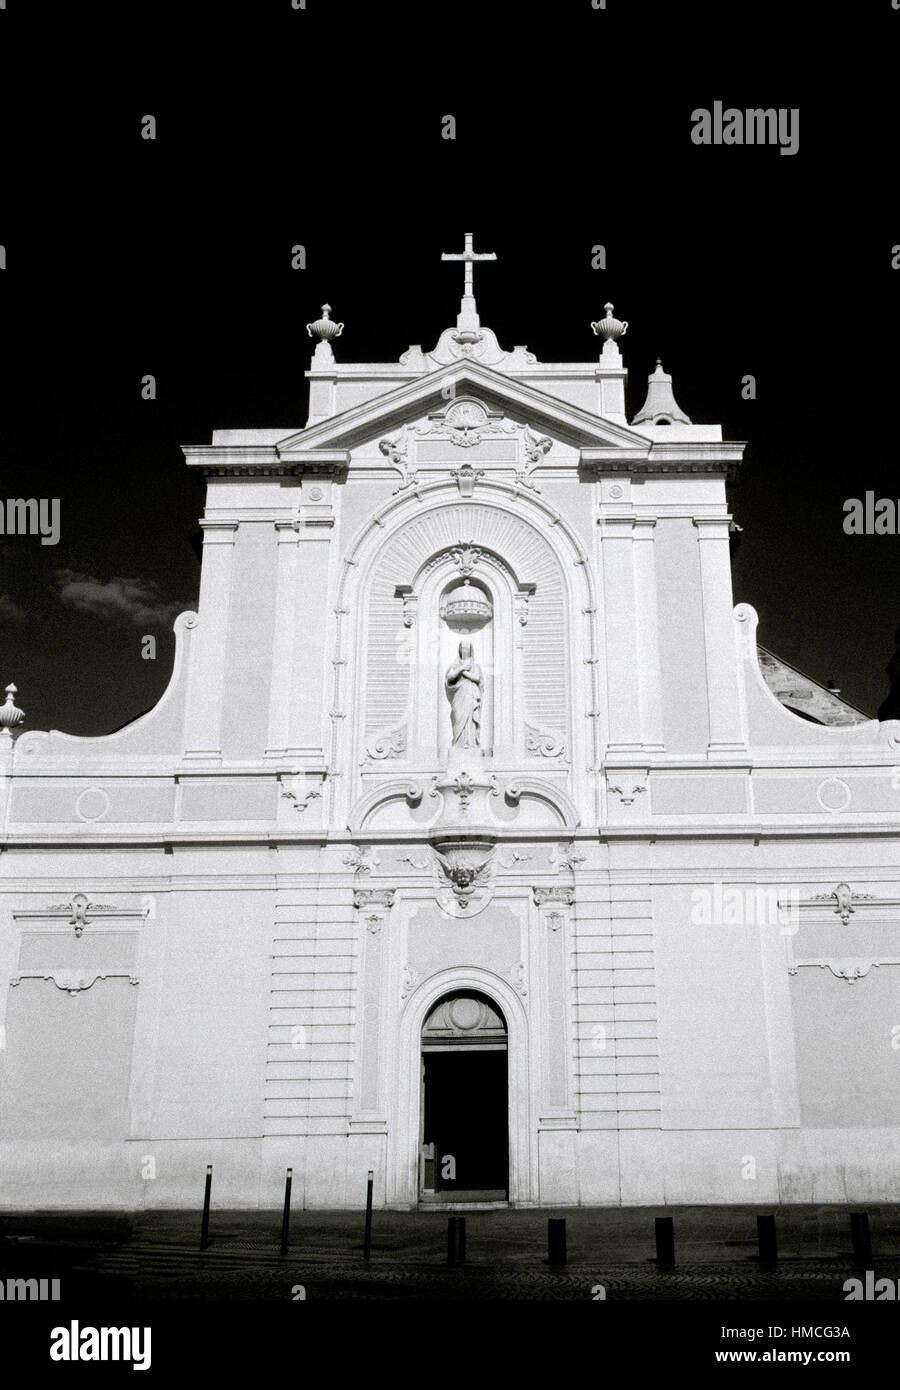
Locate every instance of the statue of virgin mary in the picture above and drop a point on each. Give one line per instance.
(464, 686)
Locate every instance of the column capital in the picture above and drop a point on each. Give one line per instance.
(219, 532)
(374, 897)
(713, 528)
(616, 528)
(559, 893)
(375, 904)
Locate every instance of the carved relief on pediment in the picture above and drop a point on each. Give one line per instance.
(482, 347)
(465, 422)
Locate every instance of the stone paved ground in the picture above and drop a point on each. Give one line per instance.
(155, 1255)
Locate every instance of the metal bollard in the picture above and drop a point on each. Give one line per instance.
(286, 1218)
(665, 1242)
(767, 1240)
(456, 1240)
(556, 1240)
(367, 1239)
(204, 1228)
(862, 1241)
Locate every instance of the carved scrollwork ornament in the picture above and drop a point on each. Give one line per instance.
(563, 857)
(465, 478)
(544, 744)
(410, 980)
(74, 981)
(554, 894)
(536, 446)
(390, 745)
(627, 792)
(374, 897)
(362, 859)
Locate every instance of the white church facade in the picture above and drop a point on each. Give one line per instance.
(470, 843)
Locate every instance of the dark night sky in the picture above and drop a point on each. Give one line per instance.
(127, 257)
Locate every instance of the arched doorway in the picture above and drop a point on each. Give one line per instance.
(464, 1110)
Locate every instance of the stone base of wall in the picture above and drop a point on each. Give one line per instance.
(587, 1168)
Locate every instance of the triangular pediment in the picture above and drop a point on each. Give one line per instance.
(437, 390)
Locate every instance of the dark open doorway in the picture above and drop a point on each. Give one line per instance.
(465, 1124)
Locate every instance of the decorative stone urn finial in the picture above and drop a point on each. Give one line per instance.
(10, 717)
(324, 328)
(608, 328)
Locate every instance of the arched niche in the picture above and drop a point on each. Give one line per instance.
(437, 635)
(392, 664)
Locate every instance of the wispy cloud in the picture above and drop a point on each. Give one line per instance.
(137, 601)
(10, 612)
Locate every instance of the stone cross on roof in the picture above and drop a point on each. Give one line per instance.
(467, 321)
(468, 256)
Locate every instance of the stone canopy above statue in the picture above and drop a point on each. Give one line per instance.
(466, 607)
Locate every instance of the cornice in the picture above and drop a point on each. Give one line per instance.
(256, 461)
(274, 838)
(723, 459)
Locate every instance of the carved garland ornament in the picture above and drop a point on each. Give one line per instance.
(80, 912)
(73, 981)
(849, 970)
(844, 900)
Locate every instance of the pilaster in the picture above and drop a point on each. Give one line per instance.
(726, 734)
(620, 621)
(206, 689)
(370, 1108)
(554, 906)
(649, 669)
(310, 682)
(283, 646)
